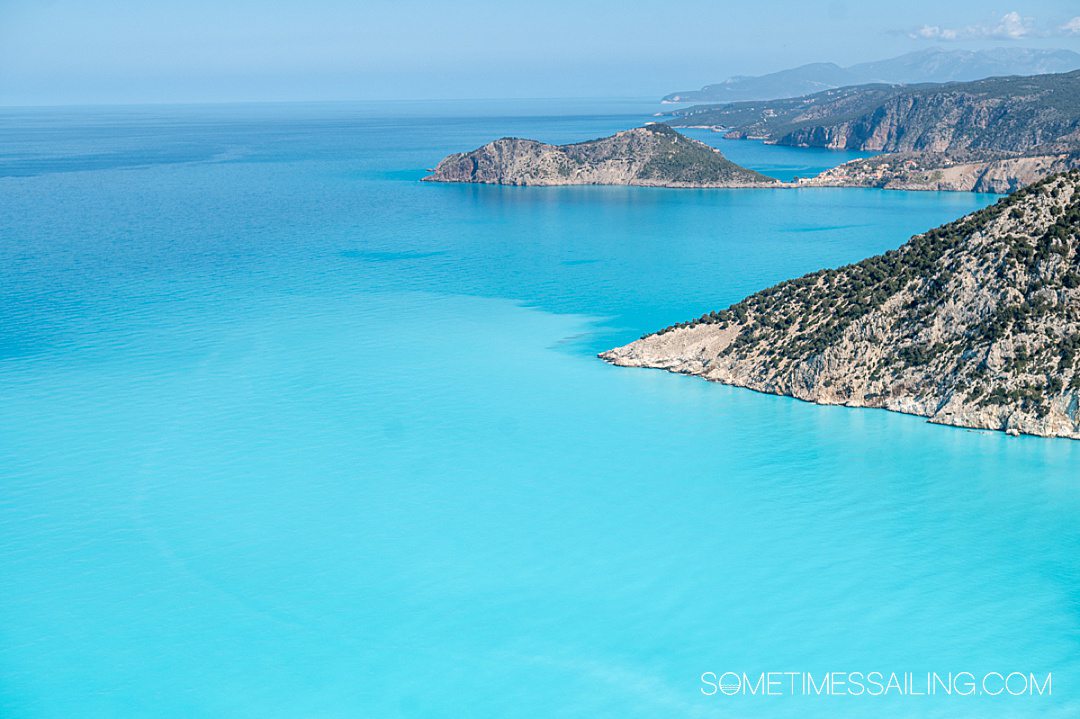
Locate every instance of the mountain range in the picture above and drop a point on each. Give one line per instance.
(930, 65)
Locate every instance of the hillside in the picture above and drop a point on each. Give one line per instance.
(1012, 114)
(975, 324)
(653, 155)
(1000, 173)
(797, 81)
(930, 65)
(992, 135)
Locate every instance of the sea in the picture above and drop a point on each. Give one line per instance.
(286, 432)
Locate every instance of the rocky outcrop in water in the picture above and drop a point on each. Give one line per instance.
(654, 155)
(974, 324)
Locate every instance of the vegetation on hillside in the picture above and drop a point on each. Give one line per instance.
(1011, 114)
(1033, 271)
(655, 154)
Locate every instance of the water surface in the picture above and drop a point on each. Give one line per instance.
(286, 432)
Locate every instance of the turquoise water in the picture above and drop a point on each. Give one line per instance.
(286, 433)
(783, 163)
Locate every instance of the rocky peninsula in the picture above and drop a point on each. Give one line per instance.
(654, 155)
(974, 324)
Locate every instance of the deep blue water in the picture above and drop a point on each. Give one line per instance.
(285, 432)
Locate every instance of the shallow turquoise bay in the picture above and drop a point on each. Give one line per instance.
(285, 432)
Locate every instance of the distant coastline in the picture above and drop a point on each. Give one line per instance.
(657, 156)
(994, 135)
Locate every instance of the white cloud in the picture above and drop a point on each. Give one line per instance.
(1011, 26)
(1072, 27)
(934, 32)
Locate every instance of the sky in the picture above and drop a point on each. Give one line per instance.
(166, 51)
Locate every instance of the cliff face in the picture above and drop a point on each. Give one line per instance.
(772, 119)
(975, 324)
(1009, 114)
(948, 121)
(654, 155)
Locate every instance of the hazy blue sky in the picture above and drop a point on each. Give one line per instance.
(72, 51)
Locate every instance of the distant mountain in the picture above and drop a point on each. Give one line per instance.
(931, 65)
(803, 80)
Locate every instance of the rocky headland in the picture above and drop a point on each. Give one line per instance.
(974, 324)
(654, 155)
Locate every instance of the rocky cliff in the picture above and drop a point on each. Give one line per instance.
(975, 324)
(1009, 114)
(654, 155)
